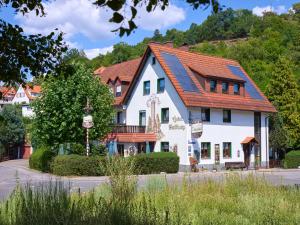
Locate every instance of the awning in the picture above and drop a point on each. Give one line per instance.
(132, 137)
(247, 140)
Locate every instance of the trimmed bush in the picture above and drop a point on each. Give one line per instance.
(41, 159)
(292, 159)
(77, 165)
(156, 162)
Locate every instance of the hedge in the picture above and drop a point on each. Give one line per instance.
(292, 159)
(157, 162)
(77, 165)
(41, 159)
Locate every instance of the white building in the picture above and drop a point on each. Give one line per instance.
(24, 96)
(199, 106)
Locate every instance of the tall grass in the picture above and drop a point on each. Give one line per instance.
(237, 201)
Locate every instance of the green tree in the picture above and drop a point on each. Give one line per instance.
(22, 54)
(60, 109)
(284, 93)
(11, 126)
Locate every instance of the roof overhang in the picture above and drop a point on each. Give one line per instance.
(248, 140)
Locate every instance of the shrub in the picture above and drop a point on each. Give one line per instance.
(292, 159)
(156, 162)
(78, 149)
(41, 159)
(77, 165)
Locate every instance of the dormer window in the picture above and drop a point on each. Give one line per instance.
(225, 87)
(118, 90)
(236, 88)
(213, 85)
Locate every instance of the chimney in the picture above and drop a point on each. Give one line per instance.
(168, 44)
(184, 47)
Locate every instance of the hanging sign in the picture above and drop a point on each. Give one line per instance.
(88, 122)
(197, 129)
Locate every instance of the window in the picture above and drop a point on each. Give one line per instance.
(225, 87)
(205, 114)
(119, 117)
(118, 91)
(236, 88)
(226, 116)
(164, 146)
(146, 87)
(213, 86)
(226, 149)
(142, 118)
(153, 61)
(160, 85)
(165, 115)
(205, 150)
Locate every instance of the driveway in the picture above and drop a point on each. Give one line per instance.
(17, 171)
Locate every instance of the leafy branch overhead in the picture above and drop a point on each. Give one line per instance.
(119, 10)
(21, 54)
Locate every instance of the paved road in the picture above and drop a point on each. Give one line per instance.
(17, 171)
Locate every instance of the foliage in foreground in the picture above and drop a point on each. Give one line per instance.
(60, 109)
(12, 129)
(246, 201)
(292, 159)
(41, 159)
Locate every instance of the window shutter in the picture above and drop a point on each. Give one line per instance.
(230, 149)
(209, 150)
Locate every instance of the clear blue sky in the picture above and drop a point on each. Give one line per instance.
(86, 27)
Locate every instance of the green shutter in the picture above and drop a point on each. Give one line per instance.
(230, 149)
(209, 150)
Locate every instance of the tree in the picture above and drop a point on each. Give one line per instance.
(22, 54)
(127, 25)
(11, 126)
(283, 91)
(60, 109)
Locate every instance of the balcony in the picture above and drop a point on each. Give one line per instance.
(128, 129)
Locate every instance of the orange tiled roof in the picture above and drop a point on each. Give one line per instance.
(7, 91)
(34, 89)
(124, 71)
(132, 137)
(209, 66)
(196, 65)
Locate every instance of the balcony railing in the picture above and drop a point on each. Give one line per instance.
(128, 129)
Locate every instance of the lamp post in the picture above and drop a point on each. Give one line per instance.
(87, 123)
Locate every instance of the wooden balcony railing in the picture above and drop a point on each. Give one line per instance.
(128, 129)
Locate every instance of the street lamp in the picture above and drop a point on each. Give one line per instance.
(87, 123)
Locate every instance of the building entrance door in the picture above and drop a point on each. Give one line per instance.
(217, 154)
(246, 149)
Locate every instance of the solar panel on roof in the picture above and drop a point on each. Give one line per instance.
(248, 85)
(180, 73)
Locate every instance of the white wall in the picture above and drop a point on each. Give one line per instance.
(20, 100)
(215, 131)
(168, 99)
(27, 111)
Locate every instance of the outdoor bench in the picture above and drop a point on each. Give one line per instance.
(234, 165)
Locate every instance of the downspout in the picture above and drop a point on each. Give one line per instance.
(267, 139)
